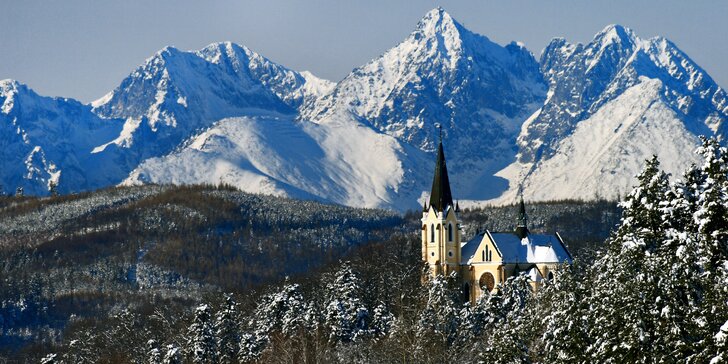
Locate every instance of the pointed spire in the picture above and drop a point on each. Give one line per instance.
(522, 224)
(440, 197)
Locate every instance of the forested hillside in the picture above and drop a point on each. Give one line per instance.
(143, 273)
(655, 293)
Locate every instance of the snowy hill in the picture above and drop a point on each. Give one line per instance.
(611, 104)
(348, 164)
(44, 140)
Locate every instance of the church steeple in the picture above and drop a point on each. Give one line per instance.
(440, 197)
(522, 224)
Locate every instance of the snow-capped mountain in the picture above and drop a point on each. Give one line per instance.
(577, 125)
(44, 140)
(479, 91)
(176, 94)
(611, 104)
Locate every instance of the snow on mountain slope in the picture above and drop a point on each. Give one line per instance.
(575, 146)
(343, 163)
(583, 78)
(44, 139)
(604, 153)
(580, 124)
(174, 94)
(442, 73)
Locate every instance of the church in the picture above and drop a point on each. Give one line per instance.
(488, 258)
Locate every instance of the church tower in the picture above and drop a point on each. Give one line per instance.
(440, 224)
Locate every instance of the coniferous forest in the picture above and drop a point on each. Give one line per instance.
(208, 274)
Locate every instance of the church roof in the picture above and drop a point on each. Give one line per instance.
(534, 248)
(440, 196)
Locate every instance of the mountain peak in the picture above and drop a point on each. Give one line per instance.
(615, 33)
(437, 21)
(8, 85)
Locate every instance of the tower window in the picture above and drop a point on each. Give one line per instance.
(432, 233)
(449, 232)
(449, 254)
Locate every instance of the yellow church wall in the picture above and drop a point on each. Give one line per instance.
(441, 248)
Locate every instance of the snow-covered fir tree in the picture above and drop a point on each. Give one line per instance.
(173, 355)
(562, 312)
(508, 337)
(283, 313)
(624, 293)
(227, 331)
(440, 319)
(201, 346)
(346, 317)
(154, 356)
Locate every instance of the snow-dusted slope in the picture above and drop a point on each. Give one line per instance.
(611, 104)
(443, 73)
(578, 126)
(604, 153)
(174, 94)
(45, 139)
(583, 78)
(343, 163)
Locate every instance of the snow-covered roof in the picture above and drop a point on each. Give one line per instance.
(535, 248)
(467, 250)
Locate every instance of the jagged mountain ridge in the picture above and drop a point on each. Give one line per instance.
(174, 108)
(583, 78)
(175, 94)
(671, 102)
(167, 100)
(46, 140)
(444, 74)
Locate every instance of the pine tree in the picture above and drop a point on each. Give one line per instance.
(712, 212)
(711, 219)
(154, 356)
(382, 321)
(227, 331)
(563, 313)
(173, 355)
(439, 321)
(283, 313)
(201, 343)
(509, 339)
(624, 287)
(346, 316)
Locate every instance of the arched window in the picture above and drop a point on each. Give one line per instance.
(490, 255)
(449, 232)
(483, 253)
(487, 282)
(432, 233)
(550, 276)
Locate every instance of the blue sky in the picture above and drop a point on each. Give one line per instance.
(83, 49)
